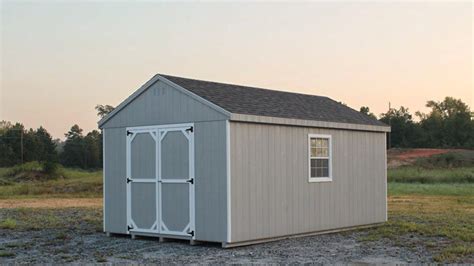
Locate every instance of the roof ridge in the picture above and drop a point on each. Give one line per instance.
(245, 86)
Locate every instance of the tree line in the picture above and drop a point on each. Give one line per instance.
(79, 150)
(448, 124)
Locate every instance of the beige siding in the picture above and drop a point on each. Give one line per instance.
(271, 195)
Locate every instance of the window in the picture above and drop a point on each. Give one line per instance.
(320, 154)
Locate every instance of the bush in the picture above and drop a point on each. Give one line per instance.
(413, 174)
(34, 171)
(51, 169)
(26, 167)
(454, 159)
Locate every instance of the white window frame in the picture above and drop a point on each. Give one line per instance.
(320, 179)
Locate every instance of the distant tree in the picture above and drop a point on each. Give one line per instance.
(47, 147)
(365, 110)
(448, 124)
(93, 144)
(103, 110)
(404, 132)
(73, 154)
(10, 143)
(36, 145)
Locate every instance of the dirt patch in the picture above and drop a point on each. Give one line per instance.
(400, 157)
(50, 203)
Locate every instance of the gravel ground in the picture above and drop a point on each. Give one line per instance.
(75, 239)
(45, 246)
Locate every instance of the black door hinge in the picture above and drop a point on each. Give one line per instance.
(129, 180)
(191, 180)
(190, 129)
(129, 227)
(191, 233)
(129, 132)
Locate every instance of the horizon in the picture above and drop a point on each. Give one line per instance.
(361, 54)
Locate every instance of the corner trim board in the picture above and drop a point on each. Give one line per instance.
(103, 180)
(228, 165)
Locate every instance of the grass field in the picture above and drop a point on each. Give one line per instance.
(75, 184)
(442, 224)
(415, 174)
(431, 204)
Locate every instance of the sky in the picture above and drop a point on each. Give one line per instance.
(59, 59)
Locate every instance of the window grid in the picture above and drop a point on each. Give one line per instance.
(320, 158)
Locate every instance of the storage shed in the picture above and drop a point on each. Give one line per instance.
(214, 162)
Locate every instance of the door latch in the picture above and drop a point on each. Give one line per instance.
(129, 227)
(191, 180)
(129, 132)
(190, 129)
(191, 233)
(129, 180)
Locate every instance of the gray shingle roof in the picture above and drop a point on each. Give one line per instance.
(263, 102)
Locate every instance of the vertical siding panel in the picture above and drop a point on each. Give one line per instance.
(277, 197)
(272, 174)
(115, 196)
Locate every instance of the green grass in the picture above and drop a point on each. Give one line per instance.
(452, 159)
(54, 218)
(414, 174)
(6, 254)
(442, 224)
(8, 224)
(398, 189)
(77, 183)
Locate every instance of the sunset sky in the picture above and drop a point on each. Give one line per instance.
(59, 59)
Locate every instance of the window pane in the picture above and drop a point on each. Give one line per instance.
(325, 172)
(318, 163)
(313, 162)
(318, 142)
(319, 172)
(313, 142)
(324, 162)
(313, 172)
(322, 152)
(324, 143)
(325, 152)
(313, 152)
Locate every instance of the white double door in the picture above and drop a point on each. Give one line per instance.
(160, 179)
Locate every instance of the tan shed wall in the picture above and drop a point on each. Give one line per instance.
(271, 195)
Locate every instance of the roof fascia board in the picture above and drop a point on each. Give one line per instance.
(148, 84)
(306, 123)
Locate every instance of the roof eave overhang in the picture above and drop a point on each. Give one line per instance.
(306, 123)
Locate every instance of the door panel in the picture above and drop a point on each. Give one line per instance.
(160, 180)
(177, 181)
(175, 204)
(142, 181)
(143, 196)
(175, 156)
(143, 156)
